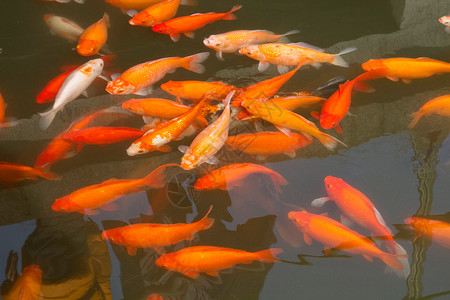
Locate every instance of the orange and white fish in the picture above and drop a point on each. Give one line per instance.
(48, 94)
(284, 55)
(88, 199)
(126, 5)
(11, 173)
(27, 286)
(264, 144)
(232, 41)
(445, 20)
(138, 79)
(230, 176)
(188, 24)
(157, 13)
(334, 235)
(102, 135)
(439, 106)
(76, 83)
(209, 259)
(94, 37)
(407, 68)
(63, 27)
(209, 141)
(435, 230)
(157, 138)
(197, 90)
(156, 236)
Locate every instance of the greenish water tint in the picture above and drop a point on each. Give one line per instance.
(404, 172)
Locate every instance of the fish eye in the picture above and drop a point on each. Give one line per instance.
(249, 52)
(329, 186)
(140, 151)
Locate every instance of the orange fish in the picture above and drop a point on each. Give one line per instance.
(11, 173)
(208, 142)
(264, 144)
(189, 24)
(2, 109)
(88, 199)
(102, 135)
(157, 138)
(126, 5)
(49, 92)
(148, 235)
(434, 230)
(439, 106)
(208, 259)
(94, 37)
(407, 68)
(197, 90)
(27, 286)
(284, 55)
(159, 12)
(138, 79)
(230, 176)
(334, 235)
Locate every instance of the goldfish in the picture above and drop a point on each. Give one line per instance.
(189, 24)
(157, 138)
(209, 141)
(156, 236)
(76, 83)
(407, 68)
(294, 102)
(2, 109)
(209, 259)
(264, 144)
(197, 90)
(63, 27)
(439, 106)
(284, 118)
(293, 54)
(94, 37)
(334, 235)
(437, 231)
(445, 20)
(230, 176)
(50, 91)
(232, 41)
(138, 79)
(102, 135)
(159, 12)
(27, 286)
(88, 199)
(11, 173)
(126, 5)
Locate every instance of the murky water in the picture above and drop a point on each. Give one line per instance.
(404, 172)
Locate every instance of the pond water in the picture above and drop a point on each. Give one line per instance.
(404, 172)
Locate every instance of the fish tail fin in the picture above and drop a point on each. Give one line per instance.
(229, 15)
(393, 261)
(47, 118)
(329, 141)
(283, 39)
(194, 62)
(362, 86)
(189, 2)
(278, 180)
(206, 222)
(338, 61)
(45, 173)
(416, 117)
(105, 18)
(157, 178)
(268, 255)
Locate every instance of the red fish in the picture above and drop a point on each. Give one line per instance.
(102, 135)
(189, 24)
(11, 173)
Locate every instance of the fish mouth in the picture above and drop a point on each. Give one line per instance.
(206, 42)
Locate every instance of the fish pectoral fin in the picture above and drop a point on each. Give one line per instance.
(144, 92)
(213, 273)
(191, 274)
(262, 66)
(115, 76)
(346, 221)
(189, 238)
(190, 34)
(164, 148)
(290, 153)
(338, 129)
(132, 12)
(260, 157)
(392, 78)
(319, 202)
(307, 239)
(89, 212)
(212, 160)
(406, 80)
(110, 206)
(85, 94)
(282, 69)
(219, 55)
(182, 148)
(159, 250)
(368, 257)
(175, 37)
(316, 65)
(327, 251)
(79, 147)
(131, 251)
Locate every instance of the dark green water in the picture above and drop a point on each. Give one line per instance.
(404, 172)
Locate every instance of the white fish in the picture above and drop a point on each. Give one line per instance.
(63, 27)
(75, 84)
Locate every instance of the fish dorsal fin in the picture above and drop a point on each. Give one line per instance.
(308, 46)
(108, 182)
(115, 76)
(428, 59)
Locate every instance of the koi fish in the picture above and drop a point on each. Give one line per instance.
(156, 236)
(102, 135)
(189, 24)
(284, 118)
(11, 173)
(157, 13)
(208, 142)
(138, 79)
(77, 82)
(157, 138)
(264, 144)
(230, 176)
(2, 109)
(94, 37)
(294, 102)
(27, 285)
(439, 106)
(208, 259)
(63, 27)
(126, 5)
(264, 89)
(334, 235)
(88, 199)
(65, 1)
(437, 231)
(197, 90)
(293, 54)
(445, 20)
(232, 41)
(407, 68)
(50, 91)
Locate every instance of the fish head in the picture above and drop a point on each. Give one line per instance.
(372, 64)
(162, 28)
(120, 87)
(64, 204)
(173, 87)
(445, 20)
(133, 106)
(419, 225)
(88, 47)
(204, 183)
(189, 161)
(114, 236)
(252, 51)
(300, 218)
(136, 149)
(328, 121)
(47, 17)
(333, 185)
(142, 19)
(33, 271)
(165, 261)
(216, 42)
